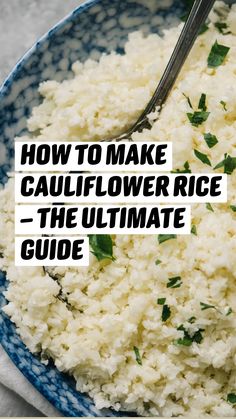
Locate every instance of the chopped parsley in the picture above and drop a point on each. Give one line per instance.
(202, 102)
(230, 311)
(166, 313)
(174, 282)
(164, 237)
(102, 246)
(203, 29)
(228, 163)
(222, 27)
(194, 230)
(206, 306)
(161, 301)
(231, 398)
(187, 339)
(217, 55)
(157, 262)
(137, 355)
(188, 100)
(197, 118)
(233, 208)
(202, 157)
(192, 320)
(224, 105)
(209, 207)
(210, 139)
(186, 169)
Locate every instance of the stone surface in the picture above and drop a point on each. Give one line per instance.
(22, 22)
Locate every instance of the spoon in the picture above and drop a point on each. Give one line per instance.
(196, 18)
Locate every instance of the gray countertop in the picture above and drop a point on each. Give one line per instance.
(22, 22)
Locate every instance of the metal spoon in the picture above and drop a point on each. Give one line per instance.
(196, 18)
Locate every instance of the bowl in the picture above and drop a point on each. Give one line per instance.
(97, 26)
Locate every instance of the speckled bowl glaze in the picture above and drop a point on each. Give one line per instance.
(95, 27)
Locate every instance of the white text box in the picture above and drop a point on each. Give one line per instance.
(25, 251)
(120, 188)
(51, 219)
(89, 156)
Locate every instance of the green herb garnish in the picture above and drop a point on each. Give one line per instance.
(164, 237)
(203, 29)
(187, 339)
(194, 230)
(166, 313)
(157, 262)
(197, 118)
(197, 337)
(137, 355)
(206, 306)
(202, 102)
(192, 320)
(230, 311)
(229, 164)
(186, 169)
(200, 116)
(217, 55)
(222, 27)
(188, 100)
(174, 282)
(210, 139)
(202, 157)
(102, 246)
(161, 301)
(233, 208)
(231, 398)
(209, 207)
(224, 105)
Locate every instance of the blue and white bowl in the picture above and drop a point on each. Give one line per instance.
(95, 27)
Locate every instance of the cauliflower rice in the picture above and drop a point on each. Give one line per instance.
(90, 319)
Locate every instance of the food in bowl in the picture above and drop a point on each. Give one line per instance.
(150, 329)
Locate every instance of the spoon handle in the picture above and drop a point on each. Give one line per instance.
(196, 18)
